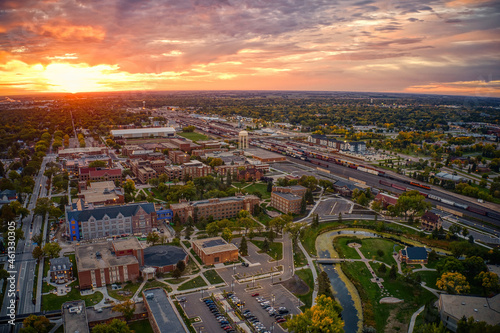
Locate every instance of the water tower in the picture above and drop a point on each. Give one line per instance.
(243, 140)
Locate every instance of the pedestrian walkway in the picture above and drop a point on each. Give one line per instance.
(413, 318)
(313, 270)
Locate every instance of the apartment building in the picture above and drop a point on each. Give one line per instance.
(99, 174)
(178, 157)
(288, 199)
(196, 169)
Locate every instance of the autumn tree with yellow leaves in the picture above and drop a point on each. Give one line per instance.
(324, 317)
(454, 283)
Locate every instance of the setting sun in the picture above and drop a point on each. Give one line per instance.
(76, 78)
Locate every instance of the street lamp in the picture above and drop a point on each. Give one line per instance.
(201, 293)
(273, 299)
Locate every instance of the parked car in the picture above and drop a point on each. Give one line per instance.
(256, 294)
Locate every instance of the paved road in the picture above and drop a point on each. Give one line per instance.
(25, 264)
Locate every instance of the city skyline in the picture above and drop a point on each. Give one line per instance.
(436, 47)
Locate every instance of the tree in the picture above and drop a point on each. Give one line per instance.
(37, 253)
(265, 245)
(43, 206)
(115, 326)
(323, 317)
(315, 221)
(227, 234)
(52, 250)
(473, 266)
(128, 186)
(453, 283)
(324, 285)
(411, 203)
(212, 229)
(393, 272)
(243, 246)
(37, 238)
(382, 269)
(269, 186)
(449, 264)
(309, 197)
(431, 328)
(4, 274)
(127, 309)
(98, 164)
(303, 206)
(39, 324)
(489, 281)
(181, 265)
(176, 273)
(152, 238)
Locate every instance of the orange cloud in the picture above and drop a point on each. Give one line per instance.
(64, 30)
(472, 88)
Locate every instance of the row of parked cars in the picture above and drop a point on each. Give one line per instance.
(224, 323)
(253, 320)
(276, 313)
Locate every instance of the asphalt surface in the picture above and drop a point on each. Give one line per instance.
(25, 265)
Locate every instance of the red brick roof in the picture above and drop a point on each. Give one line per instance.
(103, 172)
(387, 198)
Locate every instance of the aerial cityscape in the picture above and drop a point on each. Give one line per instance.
(246, 166)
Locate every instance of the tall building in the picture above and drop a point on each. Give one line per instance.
(288, 199)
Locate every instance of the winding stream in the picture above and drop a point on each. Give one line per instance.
(344, 290)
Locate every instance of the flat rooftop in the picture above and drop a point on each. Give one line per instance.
(75, 317)
(214, 245)
(87, 258)
(288, 196)
(263, 154)
(481, 308)
(163, 312)
(127, 244)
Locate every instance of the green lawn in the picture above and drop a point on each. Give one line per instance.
(54, 302)
(130, 287)
(259, 187)
(141, 326)
(56, 199)
(299, 259)
(198, 259)
(197, 282)
(194, 136)
(155, 284)
(341, 246)
(370, 247)
(275, 249)
(307, 277)
(429, 277)
(177, 281)
(376, 314)
(213, 277)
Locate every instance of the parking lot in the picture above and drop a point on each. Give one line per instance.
(333, 206)
(194, 307)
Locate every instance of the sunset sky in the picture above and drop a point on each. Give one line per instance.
(419, 46)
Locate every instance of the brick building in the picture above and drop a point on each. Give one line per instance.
(99, 174)
(288, 199)
(174, 172)
(215, 250)
(430, 221)
(196, 169)
(250, 173)
(90, 223)
(108, 262)
(218, 208)
(61, 270)
(145, 170)
(178, 157)
(413, 255)
(100, 193)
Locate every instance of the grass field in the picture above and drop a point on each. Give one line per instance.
(198, 259)
(299, 259)
(197, 282)
(376, 314)
(275, 249)
(193, 136)
(371, 246)
(259, 187)
(142, 326)
(429, 277)
(130, 287)
(340, 244)
(54, 302)
(213, 277)
(307, 277)
(155, 284)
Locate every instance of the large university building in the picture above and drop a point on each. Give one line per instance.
(218, 208)
(89, 223)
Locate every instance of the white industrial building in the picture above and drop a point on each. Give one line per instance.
(144, 132)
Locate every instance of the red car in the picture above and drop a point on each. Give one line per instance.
(256, 294)
(281, 320)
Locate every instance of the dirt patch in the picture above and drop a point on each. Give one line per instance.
(296, 285)
(393, 324)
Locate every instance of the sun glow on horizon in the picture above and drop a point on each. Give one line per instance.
(75, 78)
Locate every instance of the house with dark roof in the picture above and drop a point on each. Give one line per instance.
(164, 258)
(430, 221)
(7, 196)
(61, 270)
(107, 221)
(413, 255)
